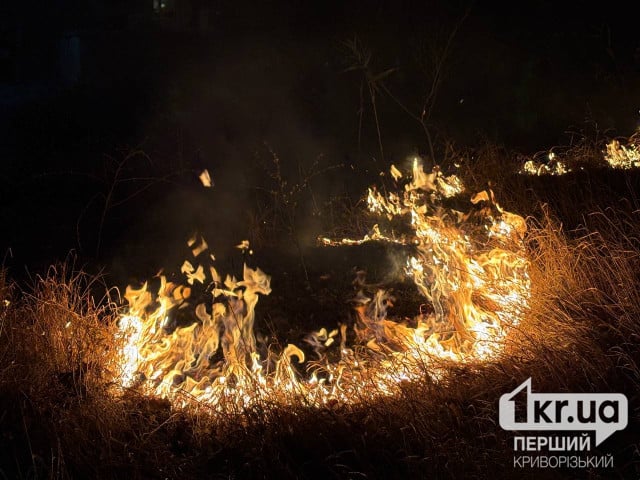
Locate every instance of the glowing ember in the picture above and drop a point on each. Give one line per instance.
(471, 268)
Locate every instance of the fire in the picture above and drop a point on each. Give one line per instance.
(616, 155)
(621, 156)
(554, 166)
(471, 268)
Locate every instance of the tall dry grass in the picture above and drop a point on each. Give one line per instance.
(60, 416)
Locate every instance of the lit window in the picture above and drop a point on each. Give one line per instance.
(163, 6)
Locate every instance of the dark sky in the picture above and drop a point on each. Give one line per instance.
(509, 60)
(83, 81)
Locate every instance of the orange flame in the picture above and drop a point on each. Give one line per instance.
(471, 267)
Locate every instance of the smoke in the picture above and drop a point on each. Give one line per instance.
(250, 112)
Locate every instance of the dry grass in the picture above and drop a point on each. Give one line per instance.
(60, 417)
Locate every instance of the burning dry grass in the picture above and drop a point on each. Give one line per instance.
(587, 152)
(471, 268)
(62, 417)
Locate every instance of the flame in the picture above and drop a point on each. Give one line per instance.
(621, 156)
(470, 267)
(616, 156)
(553, 166)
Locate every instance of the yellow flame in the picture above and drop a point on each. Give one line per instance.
(553, 166)
(616, 156)
(621, 156)
(470, 267)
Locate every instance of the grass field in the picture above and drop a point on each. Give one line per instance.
(62, 415)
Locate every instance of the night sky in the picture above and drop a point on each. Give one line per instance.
(223, 85)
